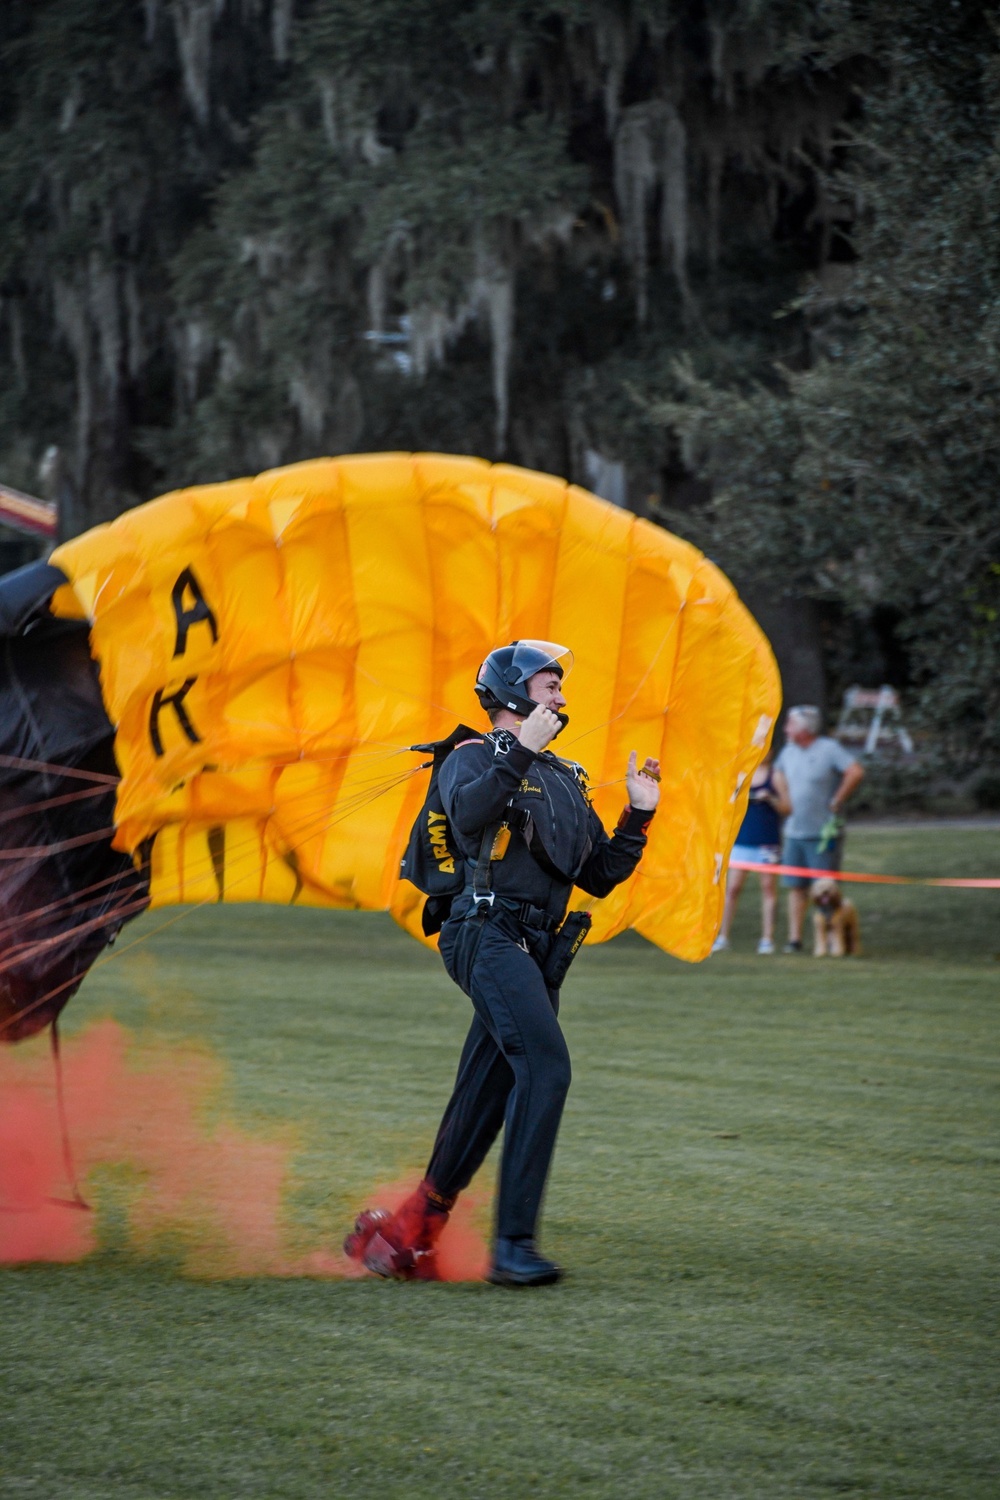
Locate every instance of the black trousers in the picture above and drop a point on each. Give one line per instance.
(514, 1069)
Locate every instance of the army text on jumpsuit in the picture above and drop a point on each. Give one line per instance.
(514, 1069)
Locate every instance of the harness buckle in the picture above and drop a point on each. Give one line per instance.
(488, 896)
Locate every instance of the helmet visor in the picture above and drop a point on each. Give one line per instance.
(541, 656)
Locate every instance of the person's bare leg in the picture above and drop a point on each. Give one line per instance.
(768, 905)
(797, 902)
(737, 880)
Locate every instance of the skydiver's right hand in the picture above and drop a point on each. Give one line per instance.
(539, 729)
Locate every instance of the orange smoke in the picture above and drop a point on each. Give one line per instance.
(211, 1194)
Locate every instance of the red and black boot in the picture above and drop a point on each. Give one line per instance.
(401, 1244)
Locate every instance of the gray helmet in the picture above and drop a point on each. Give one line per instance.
(503, 677)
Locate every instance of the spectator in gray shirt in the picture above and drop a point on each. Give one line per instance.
(820, 775)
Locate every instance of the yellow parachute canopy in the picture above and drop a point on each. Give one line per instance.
(269, 647)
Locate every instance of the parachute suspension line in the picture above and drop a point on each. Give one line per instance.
(133, 908)
(145, 936)
(399, 692)
(18, 763)
(211, 901)
(81, 974)
(27, 1010)
(76, 899)
(313, 825)
(25, 809)
(21, 952)
(303, 828)
(42, 851)
(73, 900)
(385, 750)
(674, 623)
(309, 826)
(77, 1200)
(369, 781)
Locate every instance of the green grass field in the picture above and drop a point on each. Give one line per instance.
(775, 1194)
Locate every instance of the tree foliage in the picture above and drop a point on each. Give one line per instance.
(103, 174)
(870, 478)
(241, 233)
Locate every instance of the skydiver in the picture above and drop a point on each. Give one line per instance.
(523, 825)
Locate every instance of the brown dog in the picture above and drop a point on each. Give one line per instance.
(836, 928)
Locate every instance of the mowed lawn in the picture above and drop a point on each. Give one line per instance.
(775, 1193)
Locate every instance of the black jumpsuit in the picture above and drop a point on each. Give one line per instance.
(514, 1069)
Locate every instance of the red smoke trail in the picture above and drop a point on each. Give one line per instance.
(212, 1194)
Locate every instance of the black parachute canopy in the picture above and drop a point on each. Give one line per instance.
(65, 893)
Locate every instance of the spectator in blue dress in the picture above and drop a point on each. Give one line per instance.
(820, 775)
(758, 842)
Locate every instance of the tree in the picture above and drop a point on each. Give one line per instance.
(111, 140)
(454, 223)
(870, 478)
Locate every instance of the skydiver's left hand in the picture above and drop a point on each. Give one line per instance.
(643, 783)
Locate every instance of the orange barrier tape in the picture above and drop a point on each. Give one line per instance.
(26, 513)
(854, 875)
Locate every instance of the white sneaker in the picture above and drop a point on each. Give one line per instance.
(721, 944)
(765, 946)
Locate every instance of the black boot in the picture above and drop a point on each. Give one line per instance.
(518, 1263)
